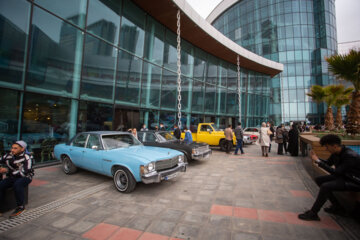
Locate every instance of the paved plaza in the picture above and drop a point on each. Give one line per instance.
(237, 197)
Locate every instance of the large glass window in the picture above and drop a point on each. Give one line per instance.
(14, 22)
(221, 100)
(198, 96)
(231, 103)
(104, 19)
(186, 93)
(154, 41)
(46, 122)
(210, 97)
(9, 117)
(168, 90)
(132, 32)
(55, 55)
(71, 10)
(150, 86)
(199, 65)
(94, 116)
(128, 78)
(98, 73)
(170, 53)
(168, 119)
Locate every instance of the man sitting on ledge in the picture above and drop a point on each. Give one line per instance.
(18, 168)
(345, 176)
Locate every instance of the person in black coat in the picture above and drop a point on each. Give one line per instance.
(177, 131)
(345, 176)
(293, 146)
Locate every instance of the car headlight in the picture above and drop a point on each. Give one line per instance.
(181, 158)
(151, 167)
(147, 168)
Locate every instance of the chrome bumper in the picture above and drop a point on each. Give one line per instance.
(156, 177)
(201, 156)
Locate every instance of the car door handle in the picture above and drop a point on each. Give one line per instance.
(106, 160)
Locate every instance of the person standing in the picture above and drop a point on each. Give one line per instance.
(270, 126)
(285, 139)
(19, 171)
(347, 168)
(177, 131)
(293, 147)
(228, 138)
(239, 134)
(144, 128)
(134, 133)
(264, 139)
(188, 136)
(279, 139)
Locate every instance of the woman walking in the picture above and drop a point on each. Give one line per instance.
(264, 139)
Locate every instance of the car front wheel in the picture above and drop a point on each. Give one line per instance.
(68, 166)
(124, 180)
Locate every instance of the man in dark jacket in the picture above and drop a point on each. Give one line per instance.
(342, 178)
(239, 134)
(177, 131)
(18, 167)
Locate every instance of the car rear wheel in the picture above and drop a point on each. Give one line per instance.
(124, 180)
(222, 145)
(68, 166)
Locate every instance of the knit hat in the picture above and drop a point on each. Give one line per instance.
(21, 143)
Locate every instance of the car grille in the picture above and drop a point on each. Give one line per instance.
(166, 164)
(202, 149)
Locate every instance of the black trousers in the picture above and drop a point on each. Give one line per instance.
(329, 184)
(228, 145)
(280, 148)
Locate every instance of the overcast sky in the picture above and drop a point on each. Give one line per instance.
(347, 19)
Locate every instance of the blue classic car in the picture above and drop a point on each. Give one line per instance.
(121, 156)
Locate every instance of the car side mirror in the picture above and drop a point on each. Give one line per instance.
(94, 147)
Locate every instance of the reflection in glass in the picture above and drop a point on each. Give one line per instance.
(150, 118)
(104, 19)
(150, 87)
(199, 64)
(221, 100)
(210, 98)
(98, 73)
(94, 116)
(128, 78)
(14, 21)
(9, 117)
(132, 29)
(46, 122)
(198, 96)
(71, 10)
(169, 90)
(154, 41)
(169, 119)
(55, 55)
(170, 52)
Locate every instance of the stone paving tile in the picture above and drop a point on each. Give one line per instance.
(258, 194)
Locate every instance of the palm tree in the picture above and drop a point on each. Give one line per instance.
(342, 97)
(321, 94)
(347, 67)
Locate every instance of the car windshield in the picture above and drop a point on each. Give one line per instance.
(119, 141)
(166, 136)
(215, 127)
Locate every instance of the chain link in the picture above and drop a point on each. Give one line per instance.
(179, 69)
(239, 86)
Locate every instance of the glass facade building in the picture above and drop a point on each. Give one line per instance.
(297, 33)
(80, 65)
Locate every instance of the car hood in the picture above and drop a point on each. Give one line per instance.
(145, 153)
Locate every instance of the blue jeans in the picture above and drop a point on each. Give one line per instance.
(239, 146)
(18, 184)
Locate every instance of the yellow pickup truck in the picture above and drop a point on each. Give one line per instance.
(210, 134)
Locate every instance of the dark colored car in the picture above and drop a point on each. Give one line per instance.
(194, 151)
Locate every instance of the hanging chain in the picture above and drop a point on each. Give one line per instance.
(179, 69)
(239, 86)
